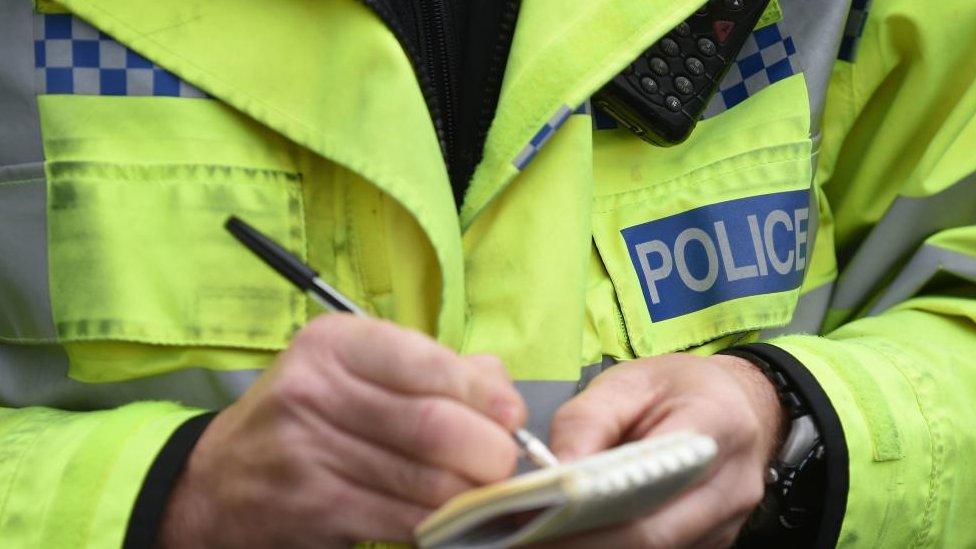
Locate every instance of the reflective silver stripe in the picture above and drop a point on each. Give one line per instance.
(37, 375)
(817, 28)
(926, 263)
(25, 307)
(808, 315)
(25, 304)
(902, 229)
(545, 397)
(20, 134)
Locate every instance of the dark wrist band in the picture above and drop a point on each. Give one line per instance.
(147, 513)
(805, 503)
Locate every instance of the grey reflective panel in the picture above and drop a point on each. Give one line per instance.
(808, 315)
(543, 399)
(589, 372)
(20, 134)
(817, 27)
(36, 375)
(924, 265)
(25, 304)
(904, 226)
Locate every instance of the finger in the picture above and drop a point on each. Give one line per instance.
(701, 512)
(599, 417)
(365, 514)
(386, 472)
(409, 362)
(434, 430)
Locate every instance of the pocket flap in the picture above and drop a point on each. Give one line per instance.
(722, 247)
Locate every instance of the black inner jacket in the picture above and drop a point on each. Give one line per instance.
(459, 49)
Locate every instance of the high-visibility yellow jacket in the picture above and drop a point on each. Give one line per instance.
(825, 206)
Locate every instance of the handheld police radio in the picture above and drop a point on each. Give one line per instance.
(662, 94)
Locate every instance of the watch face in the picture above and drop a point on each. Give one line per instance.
(790, 513)
(803, 492)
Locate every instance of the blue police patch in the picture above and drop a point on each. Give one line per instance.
(696, 259)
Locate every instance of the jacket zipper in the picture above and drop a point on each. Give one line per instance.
(426, 33)
(491, 93)
(442, 66)
(393, 21)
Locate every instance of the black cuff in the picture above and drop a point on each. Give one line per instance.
(156, 487)
(831, 433)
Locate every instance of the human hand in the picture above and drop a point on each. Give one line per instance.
(724, 397)
(357, 432)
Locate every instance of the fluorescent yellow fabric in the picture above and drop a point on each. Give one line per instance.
(555, 242)
(726, 159)
(138, 191)
(532, 269)
(556, 63)
(331, 103)
(901, 121)
(70, 479)
(903, 386)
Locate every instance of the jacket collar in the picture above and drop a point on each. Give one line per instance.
(355, 101)
(562, 52)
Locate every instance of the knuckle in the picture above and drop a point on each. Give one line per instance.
(292, 390)
(431, 429)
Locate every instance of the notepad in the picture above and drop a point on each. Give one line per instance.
(611, 487)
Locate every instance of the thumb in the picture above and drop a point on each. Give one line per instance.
(601, 416)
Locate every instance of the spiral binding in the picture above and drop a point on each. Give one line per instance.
(638, 464)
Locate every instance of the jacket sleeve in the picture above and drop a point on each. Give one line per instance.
(71, 479)
(897, 354)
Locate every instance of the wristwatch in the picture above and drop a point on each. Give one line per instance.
(791, 509)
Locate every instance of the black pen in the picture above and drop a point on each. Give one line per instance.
(308, 281)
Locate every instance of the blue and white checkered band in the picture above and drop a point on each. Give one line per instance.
(542, 136)
(768, 56)
(854, 29)
(72, 57)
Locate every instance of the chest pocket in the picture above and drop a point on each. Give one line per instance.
(711, 237)
(143, 277)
